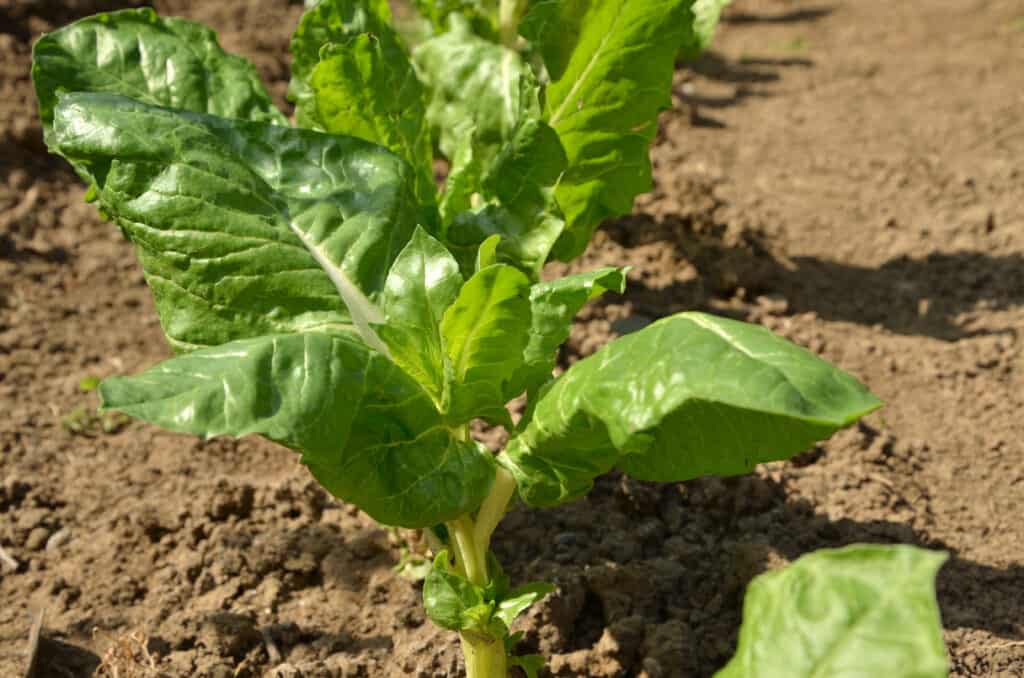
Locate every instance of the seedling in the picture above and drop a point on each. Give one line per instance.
(321, 292)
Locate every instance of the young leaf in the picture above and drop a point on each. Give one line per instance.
(481, 15)
(329, 21)
(553, 305)
(165, 62)
(525, 243)
(705, 20)
(423, 282)
(610, 63)
(532, 160)
(531, 664)
(485, 332)
(863, 610)
(687, 396)
(243, 228)
(367, 88)
(447, 597)
(516, 602)
(366, 430)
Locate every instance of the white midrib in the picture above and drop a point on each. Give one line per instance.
(361, 309)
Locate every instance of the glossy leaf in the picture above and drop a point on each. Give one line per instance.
(447, 597)
(485, 332)
(858, 612)
(687, 396)
(525, 243)
(165, 62)
(423, 282)
(243, 228)
(367, 88)
(326, 22)
(521, 598)
(611, 64)
(367, 431)
(530, 162)
(553, 305)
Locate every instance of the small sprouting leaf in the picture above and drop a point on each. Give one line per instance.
(326, 22)
(525, 243)
(863, 610)
(423, 282)
(485, 332)
(531, 664)
(553, 306)
(164, 62)
(611, 64)
(88, 383)
(243, 228)
(516, 602)
(367, 88)
(687, 396)
(487, 253)
(447, 597)
(366, 430)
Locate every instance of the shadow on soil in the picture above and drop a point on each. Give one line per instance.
(802, 15)
(932, 296)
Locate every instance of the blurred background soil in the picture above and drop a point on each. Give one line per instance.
(848, 173)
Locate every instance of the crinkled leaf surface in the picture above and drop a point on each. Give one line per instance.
(611, 64)
(687, 396)
(166, 62)
(447, 597)
(243, 228)
(553, 305)
(863, 611)
(326, 22)
(367, 431)
(423, 282)
(485, 332)
(482, 15)
(525, 243)
(531, 161)
(367, 88)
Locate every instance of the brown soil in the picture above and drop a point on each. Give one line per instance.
(848, 174)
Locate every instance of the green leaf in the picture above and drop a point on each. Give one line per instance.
(366, 430)
(422, 283)
(706, 15)
(531, 664)
(611, 64)
(525, 243)
(481, 15)
(687, 396)
(243, 228)
(367, 88)
(479, 91)
(864, 610)
(447, 597)
(487, 253)
(520, 599)
(485, 332)
(553, 305)
(165, 62)
(532, 160)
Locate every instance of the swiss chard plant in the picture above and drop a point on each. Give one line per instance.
(321, 291)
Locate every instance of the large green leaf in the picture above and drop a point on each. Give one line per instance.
(485, 332)
(553, 305)
(243, 228)
(863, 611)
(135, 53)
(423, 282)
(610, 63)
(367, 431)
(367, 88)
(687, 396)
(479, 91)
(525, 166)
(326, 22)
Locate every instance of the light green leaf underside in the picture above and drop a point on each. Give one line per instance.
(165, 62)
(423, 282)
(553, 305)
(859, 612)
(611, 64)
(243, 228)
(367, 88)
(329, 21)
(367, 431)
(687, 396)
(485, 332)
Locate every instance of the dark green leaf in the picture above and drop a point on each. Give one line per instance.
(525, 242)
(329, 21)
(687, 396)
(611, 64)
(530, 162)
(485, 333)
(447, 597)
(165, 62)
(367, 431)
(864, 610)
(423, 282)
(367, 88)
(243, 228)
